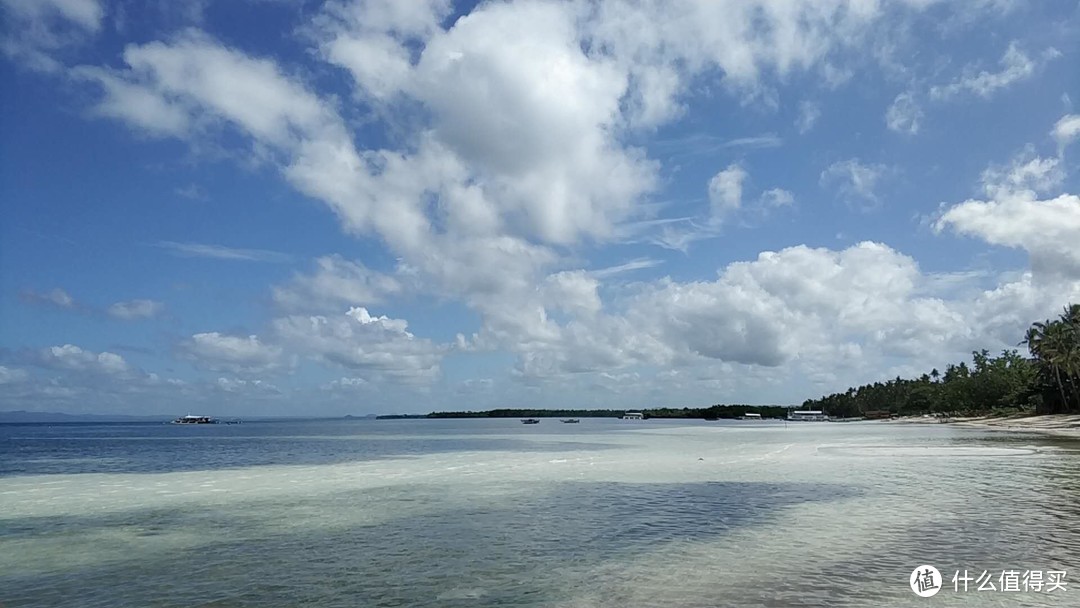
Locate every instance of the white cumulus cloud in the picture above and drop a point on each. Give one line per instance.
(725, 192)
(374, 347)
(1048, 230)
(72, 358)
(236, 354)
(336, 283)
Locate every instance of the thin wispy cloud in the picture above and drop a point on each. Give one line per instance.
(809, 113)
(699, 143)
(56, 298)
(60, 299)
(904, 114)
(641, 231)
(632, 265)
(193, 192)
(44, 236)
(770, 140)
(776, 197)
(220, 252)
(679, 236)
(855, 182)
(135, 309)
(1016, 65)
(1066, 131)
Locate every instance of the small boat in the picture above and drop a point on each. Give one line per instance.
(633, 416)
(189, 419)
(530, 421)
(571, 421)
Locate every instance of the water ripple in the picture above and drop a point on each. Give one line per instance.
(688, 517)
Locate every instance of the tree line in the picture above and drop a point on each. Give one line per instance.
(714, 412)
(1046, 382)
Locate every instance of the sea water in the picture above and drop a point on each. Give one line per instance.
(605, 513)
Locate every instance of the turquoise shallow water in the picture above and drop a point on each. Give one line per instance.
(495, 513)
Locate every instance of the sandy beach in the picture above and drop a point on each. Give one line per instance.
(1063, 425)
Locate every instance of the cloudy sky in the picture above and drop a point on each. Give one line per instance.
(303, 207)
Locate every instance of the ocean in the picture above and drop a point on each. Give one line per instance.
(491, 512)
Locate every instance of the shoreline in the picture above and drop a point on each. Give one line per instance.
(1058, 425)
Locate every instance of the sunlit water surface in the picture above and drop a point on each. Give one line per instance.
(452, 513)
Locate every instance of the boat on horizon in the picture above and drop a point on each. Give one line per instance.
(530, 421)
(571, 421)
(189, 419)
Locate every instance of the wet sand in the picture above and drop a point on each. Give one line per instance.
(1060, 425)
(488, 513)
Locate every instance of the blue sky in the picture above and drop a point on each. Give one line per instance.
(289, 207)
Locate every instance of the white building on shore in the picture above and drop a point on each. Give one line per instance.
(807, 416)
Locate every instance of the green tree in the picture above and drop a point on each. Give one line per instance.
(1048, 381)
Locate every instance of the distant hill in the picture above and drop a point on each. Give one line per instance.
(24, 417)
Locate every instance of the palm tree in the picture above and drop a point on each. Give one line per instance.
(1044, 339)
(1069, 348)
(1071, 316)
(1033, 339)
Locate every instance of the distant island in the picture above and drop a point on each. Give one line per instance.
(714, 412)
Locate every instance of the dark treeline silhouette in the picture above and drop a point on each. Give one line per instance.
(711, 412)
(529, 413)
(720, 411)
(1047, 382)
